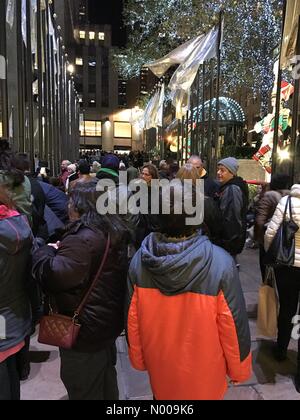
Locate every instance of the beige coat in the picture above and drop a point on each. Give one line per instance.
(278, 218)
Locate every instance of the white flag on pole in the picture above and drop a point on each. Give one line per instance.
(151, 111)
(291, 27)
(51, 27)
(186, 73)
(24, 22)
(2, 67)
(10, 13)
(52, 31)
(181, 102)
(33, 25)
(177, 56)
(160, 111)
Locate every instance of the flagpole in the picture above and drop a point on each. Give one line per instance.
(278, 99)
(203, 109)
(187, 136)
(210, 125)
(198, 114)
(182, 138)
(178, 139)
(217, 127)
(192, 122)
(162, 144)
(3, 83)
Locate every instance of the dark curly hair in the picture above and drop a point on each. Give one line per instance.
(83, 199)
(8, 164)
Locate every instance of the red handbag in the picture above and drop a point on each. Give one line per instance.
(62, 331)
(59, 331)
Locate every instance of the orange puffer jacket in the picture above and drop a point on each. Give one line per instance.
(187, 321)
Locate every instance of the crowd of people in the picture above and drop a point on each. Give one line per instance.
(173, 287)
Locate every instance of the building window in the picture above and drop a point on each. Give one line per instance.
(101, 36)
(82, 34)
(90, 129)
(92, 35)
(122, 130)
(79, 61)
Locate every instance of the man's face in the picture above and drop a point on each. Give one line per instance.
(197, 163)
(64, 166)
(224, 175)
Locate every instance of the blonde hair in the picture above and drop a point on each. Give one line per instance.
(188, 171)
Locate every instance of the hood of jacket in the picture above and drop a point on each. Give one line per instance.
(295, 191)
(176, 263)
(15, 233)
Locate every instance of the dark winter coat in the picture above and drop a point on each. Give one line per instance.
(15, 247)
(212, 225)
(67, 273)
(211, 187)
(233, 201)
(39, 225)
(56, 200)
(110, 174)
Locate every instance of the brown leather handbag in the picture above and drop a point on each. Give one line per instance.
(62, 331)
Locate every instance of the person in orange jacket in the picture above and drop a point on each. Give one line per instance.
(186, 317)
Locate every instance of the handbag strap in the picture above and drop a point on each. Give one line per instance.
(78, 311)
(291, 213)
(288, 204)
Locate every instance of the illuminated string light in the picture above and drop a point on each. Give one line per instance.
(252, 33)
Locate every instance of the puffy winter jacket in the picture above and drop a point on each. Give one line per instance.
(277, 219)
(56, 200)
(187, 323)
(15, 246)
(67, 273)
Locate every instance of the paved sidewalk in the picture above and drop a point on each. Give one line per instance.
(270, 380)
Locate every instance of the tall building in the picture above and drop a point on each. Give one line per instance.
(106, 123)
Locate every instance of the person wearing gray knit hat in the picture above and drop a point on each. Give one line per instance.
(231, 164)
(233, 203)
(227, 170)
